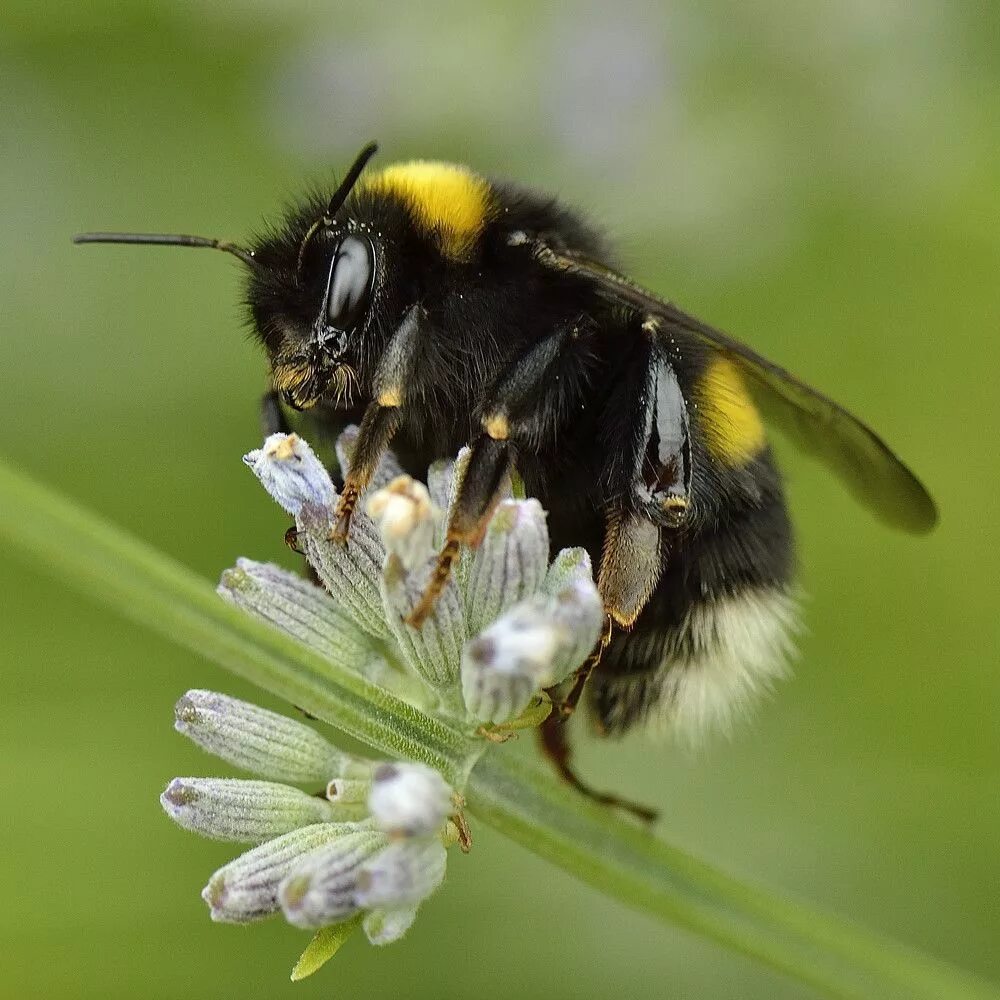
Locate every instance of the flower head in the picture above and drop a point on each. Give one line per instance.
(318, 858)
(366, 841)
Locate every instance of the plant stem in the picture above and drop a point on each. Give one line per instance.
(109, 565)
(837, 957)
(105, 563)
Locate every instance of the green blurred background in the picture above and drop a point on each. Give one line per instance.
(821, 179)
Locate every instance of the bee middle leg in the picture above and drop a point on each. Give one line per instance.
(489, 462)
(518, 410)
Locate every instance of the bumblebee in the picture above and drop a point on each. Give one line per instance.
(442, 309)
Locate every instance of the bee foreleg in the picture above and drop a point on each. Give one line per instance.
(381, 419)
(272, 416)
(378, 426)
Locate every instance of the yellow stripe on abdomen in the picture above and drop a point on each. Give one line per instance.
(733, 429)
(445, 200)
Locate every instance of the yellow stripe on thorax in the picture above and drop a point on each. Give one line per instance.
(733, 429)
(444, 200)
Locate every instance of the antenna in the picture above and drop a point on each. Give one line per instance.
(170, 240)
(338, 199)
(351, 178)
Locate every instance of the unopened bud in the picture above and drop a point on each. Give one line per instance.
(578, 612)
(440, 476)
(348, 791)
(290, 471)
(385, 926)
(532, 646)
(299, 608)
(409, 800)
(505, 665)
(510, 564)
(434, 650)
(260, 741)
(569, 566)
(404, 873)
(320, 889)
(248, 812)
(247, 888)
(350, 571)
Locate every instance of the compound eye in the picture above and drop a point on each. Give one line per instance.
(350, 283)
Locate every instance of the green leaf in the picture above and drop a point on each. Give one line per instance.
(325, 944)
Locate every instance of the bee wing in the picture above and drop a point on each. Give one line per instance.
(874, 475)
(864, 463)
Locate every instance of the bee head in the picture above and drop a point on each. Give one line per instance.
(313, 321)
(313, 294)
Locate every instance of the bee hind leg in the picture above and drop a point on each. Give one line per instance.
(554, 741)
(555, 746)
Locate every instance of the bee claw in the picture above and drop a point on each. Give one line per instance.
(342, 517)
(292, 540)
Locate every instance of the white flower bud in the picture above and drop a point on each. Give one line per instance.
(260, 741)
(247, 812)
(433, 651)
(247, 888)
(579, 613)
(320, 889)
(409, 800)
(299, 608)
(290, 471)
(510, 564)
(387, 926)
(405, 517)
(440, 476)
(507, 663)
(532, 646)
(404, 873)
(351, 572)
(569, 566)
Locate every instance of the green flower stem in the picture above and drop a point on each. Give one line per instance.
(842, 960)
(88, 553)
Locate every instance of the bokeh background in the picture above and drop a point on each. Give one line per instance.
(822, 179)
